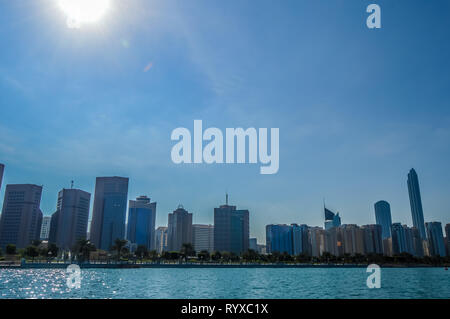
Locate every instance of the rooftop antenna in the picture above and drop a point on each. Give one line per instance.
(226, 199)
(71, 184)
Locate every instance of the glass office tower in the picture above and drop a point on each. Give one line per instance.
(383, 217)
(416, 203)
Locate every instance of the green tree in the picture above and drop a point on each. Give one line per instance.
(347, 258)
(203, 255)
(276, 256)
(125, 252)
(216, 256)
(250, 255)
(10, 249)
(234, 257)
(118, 245)
(51, 247)
(187, 251)
(141, 251)
(226, 256)
(153, 255)
(32, 251)
(36, 242)
(303, 258)
(171, 255)
(83, 249)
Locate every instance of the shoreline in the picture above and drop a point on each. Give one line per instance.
(199, 265)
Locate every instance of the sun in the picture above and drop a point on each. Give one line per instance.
(81, 12)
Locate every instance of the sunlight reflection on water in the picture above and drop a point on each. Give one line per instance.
(225, 283)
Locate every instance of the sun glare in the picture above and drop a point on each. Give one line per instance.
(80, 12)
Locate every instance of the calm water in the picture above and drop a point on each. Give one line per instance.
(226, 283)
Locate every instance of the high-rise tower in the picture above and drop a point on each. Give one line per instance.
(109, 213)
(416, 203)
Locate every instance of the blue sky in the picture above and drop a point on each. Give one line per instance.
(356, 108)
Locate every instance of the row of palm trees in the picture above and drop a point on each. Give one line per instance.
(187, 253)
(82, 252)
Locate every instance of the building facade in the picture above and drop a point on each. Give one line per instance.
(179, 230)
(231, 229)
(203, 237)
(383, 217)
(436, 244)
(21, 219)
(161, 239)
(416, 203)
(253, 244)
(279, 239)
(45, 228)
(418, 243)
(352, 239)
(70, 220)
(316, 237)
(447, 238)
(2, 169)
(141, 222)
(406, 240)
(109, 213)
(373, 239)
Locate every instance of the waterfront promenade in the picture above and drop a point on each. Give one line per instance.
(138, 264)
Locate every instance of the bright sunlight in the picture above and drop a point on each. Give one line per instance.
(81, 12)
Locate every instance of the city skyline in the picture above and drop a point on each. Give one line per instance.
(326, 222)
(21, 224)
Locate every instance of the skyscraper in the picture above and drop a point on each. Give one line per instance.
(398, 239)
(179, 230)
(252, 244)
(109, 213)
(279, 239)
(141, 222)
(447, 238)
(331, 219)
(21, 218)
(231, 229)
(203, 237)
(53, 228)
(409, 240)
(45, 228)
(2, 168)
(352, 239)
(316, 236)
(383, 217)
(436, 243)
(333, 241)
(416, 202)
(373, 239)
(70, 221)
(161, 239)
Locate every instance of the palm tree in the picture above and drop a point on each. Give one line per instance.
(83, 249)
(118, 245)
(32, 251)
(216, 256)
(226, 256)
(153, 255)
(141, 251)
(11, 249)
(187, 250)
(250, 255)
(204, 255)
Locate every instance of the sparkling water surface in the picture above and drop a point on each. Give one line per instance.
(226, 283)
